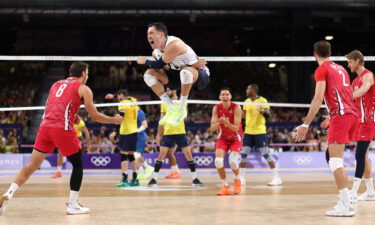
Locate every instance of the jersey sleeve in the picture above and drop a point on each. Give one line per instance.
(163, 109)
(320, 74)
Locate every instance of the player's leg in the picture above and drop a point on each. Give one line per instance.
(166, 143)
(246, 148)
(132, 144)
(219, 164)
(234, 158)
(369, 195)
(182, 142)
(60, 160)
(360, 156)
(175, 171)
(124, 162)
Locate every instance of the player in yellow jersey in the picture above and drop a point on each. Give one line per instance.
(171, 136)
(79, 127)
(255, 133)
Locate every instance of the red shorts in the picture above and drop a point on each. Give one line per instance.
(48, 139)
(233, 146)
(365, 131)
(342, 129)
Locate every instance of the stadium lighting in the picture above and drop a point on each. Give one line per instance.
(272, 65)
(329, 37)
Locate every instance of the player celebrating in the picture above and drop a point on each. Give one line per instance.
(171, 136)
(364, 97)
(56, 131)
(333, 85)
(255, 133)
(175, 64)
(226, 117)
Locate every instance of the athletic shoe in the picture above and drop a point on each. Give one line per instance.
(170, 109)
(276, 180)
(152, 183)
(353, 198)
(3, 202)
(123, 184)
(134, 183)
(341, 210)
(76, 208)
(224, 190)
(367, 197)
(243, 181)
(57, 174)
(173, 175)
(141, 176)
(237, 186)
(197, 183)
(177, 115)
(148, 171)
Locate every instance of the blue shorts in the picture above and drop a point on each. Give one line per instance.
(170, 141)
(128, 142)
(174, 82)
(256, 140)
(141, 143)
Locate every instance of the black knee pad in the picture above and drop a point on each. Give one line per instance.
(124, 157)
(76, 160)
(131, 157)
(327, 156)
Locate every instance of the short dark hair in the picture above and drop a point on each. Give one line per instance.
(123, 92)
(77, 68)
(225, 89)
(159, 26)
(322, 49)
(254, 86)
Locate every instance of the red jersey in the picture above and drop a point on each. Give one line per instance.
(366, 104)
(226, 133)
(338, 95)
(62, 104)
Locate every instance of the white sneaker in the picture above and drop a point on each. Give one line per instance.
(367, 197)
(341, 210)
(353, 198)
(276, 180)
(243, 181)
(3, 202)
(76, 208)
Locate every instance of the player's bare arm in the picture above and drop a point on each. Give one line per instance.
(367, 82)
(215, 123)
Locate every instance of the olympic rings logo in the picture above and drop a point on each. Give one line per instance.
(100, 160)
(203, 160)
(302, 160)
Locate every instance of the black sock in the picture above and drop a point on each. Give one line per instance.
(192, 165)
(158, 165)
(124, 177)
(134, 175)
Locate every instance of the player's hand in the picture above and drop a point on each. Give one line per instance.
(109, 96)
(112, 136)
(225, 121)
(118, 119)
(200, 64)
(325, 123)
(141, 60)
(300, 133)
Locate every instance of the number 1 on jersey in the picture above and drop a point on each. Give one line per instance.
(61, 90)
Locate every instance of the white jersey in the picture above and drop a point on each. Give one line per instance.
(181, 61)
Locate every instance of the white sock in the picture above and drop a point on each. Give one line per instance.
(73, 197)
(59, 168)
(183, 101)
(155, 175)
(344, 195)
(224, 182)
(175, 168)
(13, 188)
(356, 184)
(370, 185)
(166, 99)
(275, 172)
(194, 175)
(236, 176)
(242, 172)
(145, 164)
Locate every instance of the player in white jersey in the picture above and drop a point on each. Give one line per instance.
(175, 64)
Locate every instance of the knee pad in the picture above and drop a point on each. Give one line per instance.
(243, 157)
(131, 157)
(233, 160)
(335, 163)
(124, 157)
(186, 77)
(265, 154)
(76, 160)
(219, 163)
(245, 150)
(150, 80)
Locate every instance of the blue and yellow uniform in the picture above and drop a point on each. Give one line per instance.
(255, 129)
(128, 127)
(173, 135)
(78, 128)
(141, 137)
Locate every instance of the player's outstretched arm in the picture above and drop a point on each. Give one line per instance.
(215, 123)
(86, 93)
(367, 82)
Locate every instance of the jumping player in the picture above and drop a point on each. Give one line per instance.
(56, 131)
(175, 64)
(333, 85)
(226, 117)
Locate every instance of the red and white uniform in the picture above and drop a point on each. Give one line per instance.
(338, 97)
(56, 129)
(366, 109)
(228, 139)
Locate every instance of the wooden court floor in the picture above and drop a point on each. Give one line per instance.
(302, 199)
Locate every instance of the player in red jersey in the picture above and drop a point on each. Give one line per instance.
(226, 117)
(56, 130)
(333, 85)
(364, 97)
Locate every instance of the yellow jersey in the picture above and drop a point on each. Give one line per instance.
(129, 124)
(170, 130)
(255, 121)
(78, 128)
